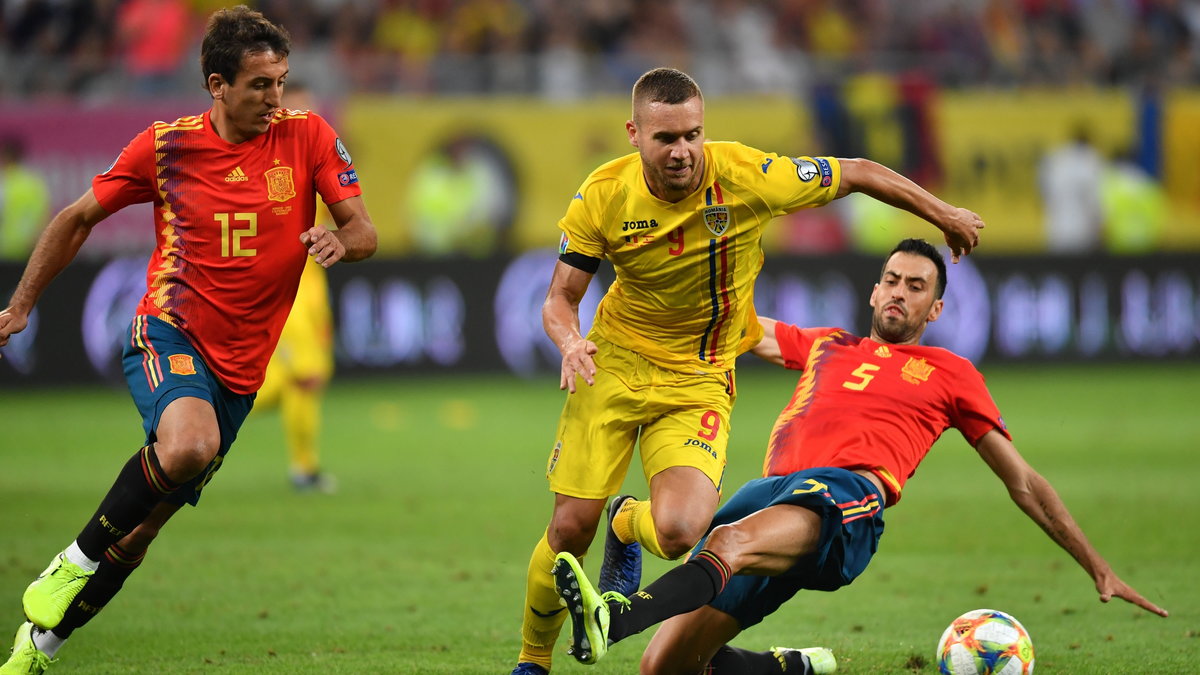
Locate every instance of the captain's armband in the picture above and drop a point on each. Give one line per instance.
(580, 261)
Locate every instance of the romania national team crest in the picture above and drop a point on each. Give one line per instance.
(554, 458)
(280, 187)
(716, 219)
(182, 364)
(916, 371)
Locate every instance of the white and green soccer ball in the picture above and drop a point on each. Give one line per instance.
(985, 642)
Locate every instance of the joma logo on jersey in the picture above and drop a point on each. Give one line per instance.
(699, 444)
(634, 225)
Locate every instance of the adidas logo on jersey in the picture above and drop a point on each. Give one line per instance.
(236, 176)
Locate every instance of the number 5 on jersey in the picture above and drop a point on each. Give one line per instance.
(231, 238)
(864, 373)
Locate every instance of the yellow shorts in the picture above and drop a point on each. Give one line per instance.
(681, 419)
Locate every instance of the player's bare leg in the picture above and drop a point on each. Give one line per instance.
(188, 439)
(572, 527)
(118, 562)
(767, 542)
(682, 503)
(686, 643)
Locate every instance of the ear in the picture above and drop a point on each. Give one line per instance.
(216, 86)
(873, 292)
(631, 130)
(935, 311)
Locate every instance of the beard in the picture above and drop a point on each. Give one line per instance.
(893, 330)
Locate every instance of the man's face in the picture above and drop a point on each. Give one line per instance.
(670, 140)
(248, 104)
(904, 299)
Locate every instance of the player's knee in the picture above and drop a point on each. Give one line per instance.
(571, 534)
(729, 543)
(657, 661)
(677, 537)
(184, 456)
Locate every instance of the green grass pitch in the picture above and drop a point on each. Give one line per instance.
(418, 564)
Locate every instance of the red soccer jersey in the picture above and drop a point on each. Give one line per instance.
(862, 404)
(228, 219)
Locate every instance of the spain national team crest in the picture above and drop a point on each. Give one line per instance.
(280, 187)
(916, 371)
(182, 364)
(716, 219)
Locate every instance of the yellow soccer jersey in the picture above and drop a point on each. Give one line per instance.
(306, 343)
(683, 296)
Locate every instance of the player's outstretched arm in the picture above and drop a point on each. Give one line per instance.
(959, 226)
(56, 248)
(560, 318)
(353, 240)
(767, 348)
(1038, 499)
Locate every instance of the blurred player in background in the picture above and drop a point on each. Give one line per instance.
(681, 220)
(24, 201)
(234, 194)
(302, 364)
(864, 415)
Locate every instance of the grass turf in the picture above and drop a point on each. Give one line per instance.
(418, 564)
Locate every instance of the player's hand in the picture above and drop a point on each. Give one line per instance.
(962, 232)
(1112, 587)
(323, 245)
(11, 322)
(577, 360)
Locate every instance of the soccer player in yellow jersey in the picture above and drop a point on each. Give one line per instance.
(302, 364)
(296, 378)
(681, 222)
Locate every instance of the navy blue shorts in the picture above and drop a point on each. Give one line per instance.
(160, 366)
(851, 511)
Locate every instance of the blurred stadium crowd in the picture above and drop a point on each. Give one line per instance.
(566, 49)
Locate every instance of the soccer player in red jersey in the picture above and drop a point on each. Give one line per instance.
(865, 413)
(234, 194)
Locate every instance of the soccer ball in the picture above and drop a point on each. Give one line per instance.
(985, 642)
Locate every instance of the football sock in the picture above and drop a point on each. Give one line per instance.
(689, 586)
(46, 641)
(75, 555)
(300, 409)
(114, 569)
(544, 613)
(139, 487)
(745, 662)
(635, 522)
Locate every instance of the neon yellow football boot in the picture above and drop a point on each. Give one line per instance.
(49, 596)
(820, 660)
(26, 658)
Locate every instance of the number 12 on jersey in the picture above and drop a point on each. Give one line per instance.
(231, 237)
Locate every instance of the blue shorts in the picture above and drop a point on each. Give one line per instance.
(851, 511)
(161, 365)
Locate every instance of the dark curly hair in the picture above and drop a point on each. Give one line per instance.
(231, 34)
(922, 248)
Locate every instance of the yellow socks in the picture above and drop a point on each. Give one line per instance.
(544, 615)
(300, 409)
(634, 522)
